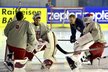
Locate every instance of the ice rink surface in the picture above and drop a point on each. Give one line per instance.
(61, 65)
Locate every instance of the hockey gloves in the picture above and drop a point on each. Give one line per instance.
(72, 39)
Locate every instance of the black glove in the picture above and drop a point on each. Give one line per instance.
(72, 39)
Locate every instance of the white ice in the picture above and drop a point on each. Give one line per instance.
(61, 65)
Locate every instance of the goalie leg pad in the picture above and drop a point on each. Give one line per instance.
(50, 48)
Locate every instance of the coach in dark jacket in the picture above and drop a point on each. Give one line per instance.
(75, 24)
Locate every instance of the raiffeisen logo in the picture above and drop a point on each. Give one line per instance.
(62, 15)
(100, 16)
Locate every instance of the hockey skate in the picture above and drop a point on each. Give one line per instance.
(85, 59)
(9, 60)
(9, 63)
(71, 63)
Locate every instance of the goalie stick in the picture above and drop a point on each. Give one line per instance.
(65, 52)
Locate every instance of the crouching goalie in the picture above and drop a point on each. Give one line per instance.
(46, 39)
(19, 32)
(93, 38)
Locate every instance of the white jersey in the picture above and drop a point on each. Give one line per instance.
(44, 33)
(19, 33)
(41, 31)
(95, 31)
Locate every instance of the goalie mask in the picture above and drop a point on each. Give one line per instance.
(37, 15)
(88, 18)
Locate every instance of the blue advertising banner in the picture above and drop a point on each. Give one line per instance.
(61, 15)
(100, 14)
